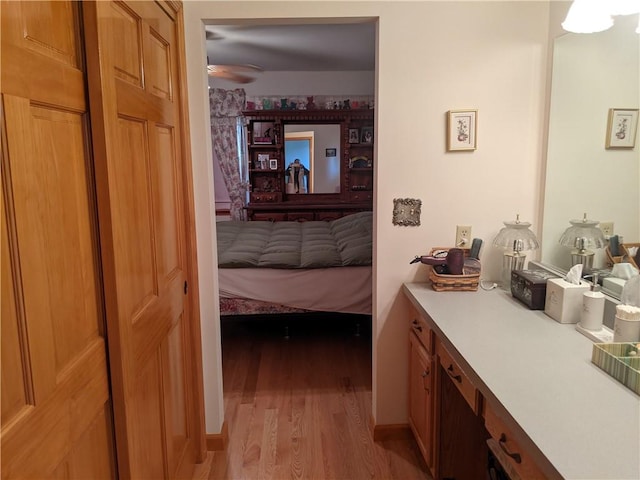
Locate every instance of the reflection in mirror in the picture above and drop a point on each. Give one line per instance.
(592, 73)
(317, 148)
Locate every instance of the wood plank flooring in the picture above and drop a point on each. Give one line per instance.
(299, 408)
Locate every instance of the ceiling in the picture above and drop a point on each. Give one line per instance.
(309, 47)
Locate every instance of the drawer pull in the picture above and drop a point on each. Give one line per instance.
(417, 326)
(502, 442)
(425, 374)
(457, 378)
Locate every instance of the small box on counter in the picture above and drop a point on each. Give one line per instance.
(563, 301)
(530, 287)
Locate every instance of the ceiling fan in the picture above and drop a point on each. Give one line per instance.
(238, 73)
(244, 73)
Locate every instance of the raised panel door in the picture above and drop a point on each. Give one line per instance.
(56, 410)
(133, 51)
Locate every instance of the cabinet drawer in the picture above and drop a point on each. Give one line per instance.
(507, 450)
(265, 197)
(460, 379)
(269, 217)
(328, 215)
(300, 216)
(421, 329)
(361, 195)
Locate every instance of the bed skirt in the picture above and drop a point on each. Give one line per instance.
(338, 289)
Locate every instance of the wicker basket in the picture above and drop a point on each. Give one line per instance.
(625, 257)
(453, 283)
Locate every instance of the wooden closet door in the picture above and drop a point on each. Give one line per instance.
(133, 63)
(56, 416)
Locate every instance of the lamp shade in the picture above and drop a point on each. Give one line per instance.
(623, 7)
(516, 236)
(583, 234)
(588, 16)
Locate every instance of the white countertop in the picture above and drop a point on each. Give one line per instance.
(586, 423)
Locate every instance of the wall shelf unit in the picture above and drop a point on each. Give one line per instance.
(272, 193)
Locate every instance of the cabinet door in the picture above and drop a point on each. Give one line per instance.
(462, 448)
(421, 397)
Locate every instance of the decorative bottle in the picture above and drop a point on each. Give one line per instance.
(592, 307)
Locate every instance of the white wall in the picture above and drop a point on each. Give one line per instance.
(432, 57)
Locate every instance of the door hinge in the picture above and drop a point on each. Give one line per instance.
(186, 287)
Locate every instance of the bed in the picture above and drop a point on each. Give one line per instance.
(281, 267)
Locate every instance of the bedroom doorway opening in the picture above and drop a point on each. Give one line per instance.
(245, 327)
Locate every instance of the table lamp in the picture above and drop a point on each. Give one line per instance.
(515, 238)
(582, 235)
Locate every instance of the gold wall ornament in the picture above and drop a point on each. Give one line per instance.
(406, 211)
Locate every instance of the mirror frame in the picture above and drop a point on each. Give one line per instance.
(313, 175)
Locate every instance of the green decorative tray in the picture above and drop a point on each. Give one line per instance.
(621, 361)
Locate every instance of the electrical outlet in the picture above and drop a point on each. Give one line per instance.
(463, 236)
(607, 228)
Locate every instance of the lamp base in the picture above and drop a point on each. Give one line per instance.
(584, 257)
(511, 261)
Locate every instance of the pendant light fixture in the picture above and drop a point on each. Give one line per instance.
(591, 16)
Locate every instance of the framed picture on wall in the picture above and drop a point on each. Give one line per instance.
(329, 152)
(262, 162)
(622, 126)
(462, 127)
(367, 135)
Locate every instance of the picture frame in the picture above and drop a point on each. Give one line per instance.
(622, 127)
(262, 161)
(462, 129)
(354, 135)
(330, 152)
(366, 136)
(273, 164)
(263, 133)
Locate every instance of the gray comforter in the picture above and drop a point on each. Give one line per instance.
(346, 241)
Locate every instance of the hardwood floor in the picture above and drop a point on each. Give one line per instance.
(299, 408)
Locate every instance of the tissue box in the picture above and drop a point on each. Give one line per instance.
(563, 301)
(530, 287)
(614, 285)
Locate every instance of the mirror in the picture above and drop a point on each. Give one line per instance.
(317, 147)
(591, 74)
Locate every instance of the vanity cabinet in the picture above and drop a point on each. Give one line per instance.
(453, 425)
(276, 194)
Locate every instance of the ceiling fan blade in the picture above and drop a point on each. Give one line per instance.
(235, 73)
(234, 77)
(244, 68)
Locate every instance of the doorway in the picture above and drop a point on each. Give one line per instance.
(302, 86)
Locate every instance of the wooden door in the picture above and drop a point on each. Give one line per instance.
(56, 414)
(133, 57)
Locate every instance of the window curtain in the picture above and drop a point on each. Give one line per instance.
(227, 127)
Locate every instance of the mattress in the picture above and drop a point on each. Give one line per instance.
(342, 242)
